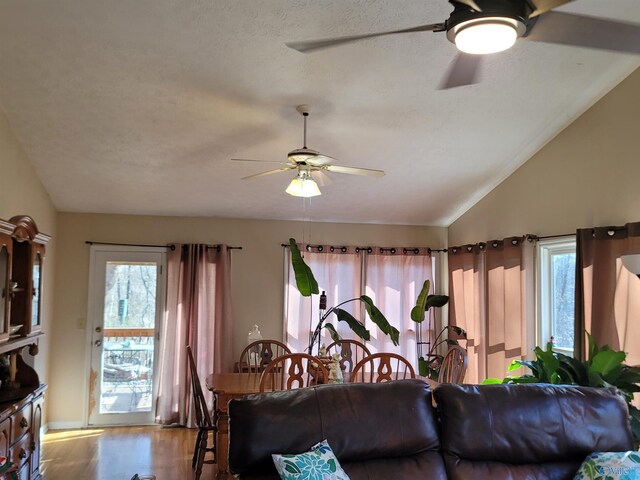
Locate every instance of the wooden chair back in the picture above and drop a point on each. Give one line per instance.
(382, 367)
(351, 352)
(206, 424)
(293, 370)
(203, 417)
(454, 365)
(257, 355)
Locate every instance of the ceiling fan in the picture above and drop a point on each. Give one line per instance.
(310, 166)
(479, 27)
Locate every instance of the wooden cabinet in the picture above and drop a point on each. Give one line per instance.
(22, 260)
(20, 423)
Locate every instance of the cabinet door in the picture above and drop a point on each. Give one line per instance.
(36, 424)
(5, 437)
(6, 290)
(36, 287)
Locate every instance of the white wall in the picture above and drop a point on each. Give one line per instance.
(587, 176)
(257, 276)
(21, 193)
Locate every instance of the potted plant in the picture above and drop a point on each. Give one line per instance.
(429, 363)
(307, 286)
(604, 367)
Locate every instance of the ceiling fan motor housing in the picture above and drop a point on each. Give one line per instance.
(511, 12)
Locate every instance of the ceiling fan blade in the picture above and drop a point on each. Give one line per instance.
(463, 71)
(320, 160)
(321, 178)
(270, 172)
(583, 31)
(543, 6)
(469, 3)
(354, 170)
(312, 45)
(259, 161)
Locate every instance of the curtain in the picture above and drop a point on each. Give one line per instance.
(466, 304)
(392, 277)
(492, 288)
(607, 294)
(339, 274)
(198, 313)
(393, 281)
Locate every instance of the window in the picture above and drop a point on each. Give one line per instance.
(392, 280)
(556, 293)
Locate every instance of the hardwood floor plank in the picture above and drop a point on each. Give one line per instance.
(116, 453)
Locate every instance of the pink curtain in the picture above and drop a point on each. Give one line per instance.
(467, 304)
(394, 279)
(339, 274)
(198, 313)
(492, 297)
(607, 294)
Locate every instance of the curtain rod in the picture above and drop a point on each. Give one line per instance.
(343, 249)
(553, 236)
(170, 246)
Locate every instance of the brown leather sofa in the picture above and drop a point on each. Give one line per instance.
(392, 431)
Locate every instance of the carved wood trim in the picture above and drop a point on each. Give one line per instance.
(25, 229)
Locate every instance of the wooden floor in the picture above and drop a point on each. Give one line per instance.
(116, 453)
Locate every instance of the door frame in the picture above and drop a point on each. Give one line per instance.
(93, 316)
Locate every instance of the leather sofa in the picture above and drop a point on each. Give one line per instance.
(393, 431)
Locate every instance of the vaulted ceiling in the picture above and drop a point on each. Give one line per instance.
(138, 107)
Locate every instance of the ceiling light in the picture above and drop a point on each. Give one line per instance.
(303, 186)
(486, 35)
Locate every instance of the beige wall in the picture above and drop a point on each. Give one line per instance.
(587, 176)
(21, 193)
(257, 277)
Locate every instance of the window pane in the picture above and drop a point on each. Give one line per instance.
(563, 294)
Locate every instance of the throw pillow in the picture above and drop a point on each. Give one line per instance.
(319, 463)
(610, 465)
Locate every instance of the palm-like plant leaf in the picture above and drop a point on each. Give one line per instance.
(305, 281)
(335, 336)
(355, 325)
(380, 320)
(417, 312)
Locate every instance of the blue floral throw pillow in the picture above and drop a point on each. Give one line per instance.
(610, 466)
(319, 463)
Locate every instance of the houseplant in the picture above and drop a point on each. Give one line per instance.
(307, 286)
(604, 367)
(429, 363)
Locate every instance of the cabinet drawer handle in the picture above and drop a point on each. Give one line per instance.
(24, 423)
(23, 454)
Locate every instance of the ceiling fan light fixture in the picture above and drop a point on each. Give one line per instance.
(486, 35)
(303, 186)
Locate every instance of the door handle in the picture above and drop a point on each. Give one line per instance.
(98, 343)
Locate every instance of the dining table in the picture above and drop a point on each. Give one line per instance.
(228, 386)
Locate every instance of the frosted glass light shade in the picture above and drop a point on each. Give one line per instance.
(485, 37)
(302, 186)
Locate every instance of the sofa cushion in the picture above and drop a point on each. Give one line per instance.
(532, 431)
(362, 423)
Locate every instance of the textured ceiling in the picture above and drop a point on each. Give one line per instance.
(137, 106)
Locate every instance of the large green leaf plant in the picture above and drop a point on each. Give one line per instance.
(605, 367)
(429, 363)
(307, 286)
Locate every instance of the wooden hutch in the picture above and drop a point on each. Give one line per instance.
(22, 253)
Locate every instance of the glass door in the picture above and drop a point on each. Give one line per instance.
(125, 308)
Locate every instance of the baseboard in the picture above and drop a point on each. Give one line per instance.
(64, 425)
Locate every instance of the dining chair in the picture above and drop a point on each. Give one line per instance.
(257, 355)
(454, 365)
(351, 352)
(293, 370)
(204, 421)
(382, 367)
